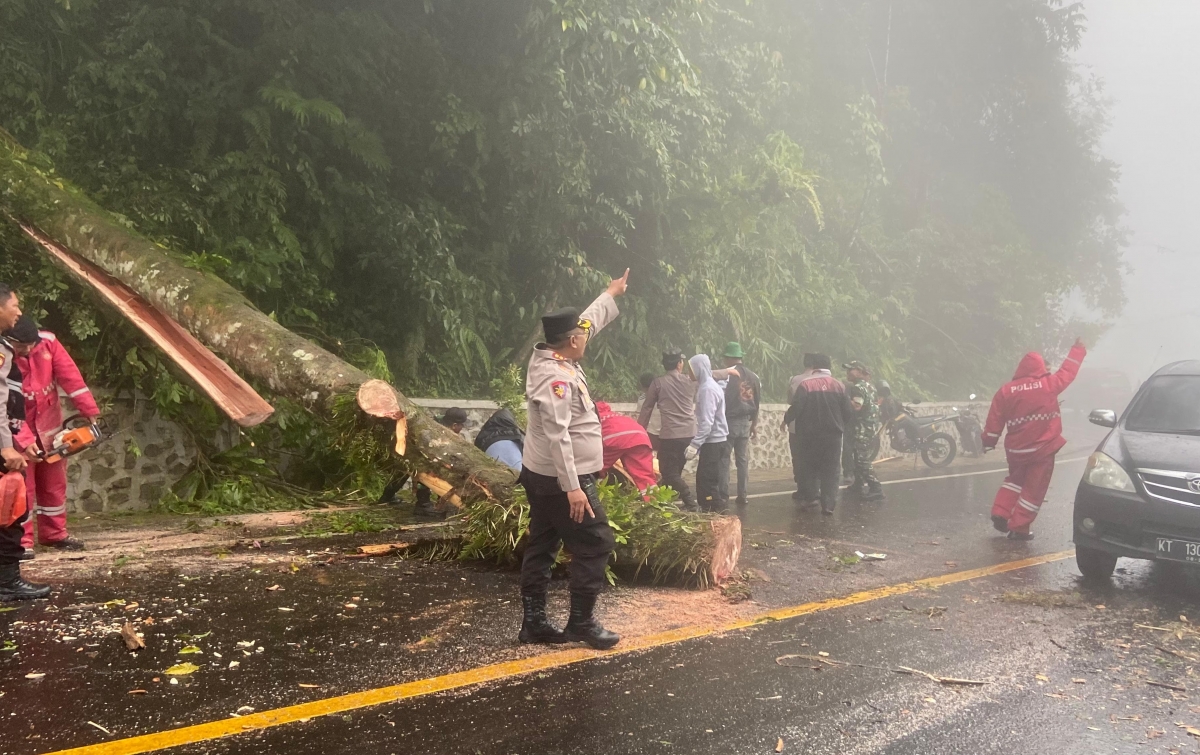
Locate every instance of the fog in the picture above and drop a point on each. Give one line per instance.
(1146, 54)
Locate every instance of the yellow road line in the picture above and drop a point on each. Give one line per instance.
(257, 721)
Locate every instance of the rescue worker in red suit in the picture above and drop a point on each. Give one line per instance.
(628, 442)
(45, 366)
(1028, 409)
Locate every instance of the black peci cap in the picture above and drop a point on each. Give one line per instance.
(25, 331)
(454, 416)
(560, 322)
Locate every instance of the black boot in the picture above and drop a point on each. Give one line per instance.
(535, 627)
(12, 587)
(874, 491)
(583, 627)
(999, 523)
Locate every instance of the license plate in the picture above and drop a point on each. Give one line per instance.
(1179, 550)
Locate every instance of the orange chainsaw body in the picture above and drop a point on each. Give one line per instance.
(72, 441)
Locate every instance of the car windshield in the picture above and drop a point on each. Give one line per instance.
(1170, 404)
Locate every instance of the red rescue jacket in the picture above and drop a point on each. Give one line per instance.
(1028, 408)
(47, 367)
(623, 435)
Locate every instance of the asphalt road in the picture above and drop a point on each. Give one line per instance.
(1063, 667)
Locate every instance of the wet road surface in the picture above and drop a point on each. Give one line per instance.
(1066, 665)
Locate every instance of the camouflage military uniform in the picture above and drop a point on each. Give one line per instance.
(866, 431)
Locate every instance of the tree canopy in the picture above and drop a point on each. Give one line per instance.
(914, 183)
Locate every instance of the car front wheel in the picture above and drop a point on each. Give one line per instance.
(1095, 564)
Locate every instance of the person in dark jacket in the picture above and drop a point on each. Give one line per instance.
(502, 439)
(743, 396)
(821, 411)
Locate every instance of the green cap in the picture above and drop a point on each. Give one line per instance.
(857, 365)
(733, 350)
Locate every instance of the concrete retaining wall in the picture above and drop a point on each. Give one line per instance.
(133, 468)
(769, 449)
(148, 454)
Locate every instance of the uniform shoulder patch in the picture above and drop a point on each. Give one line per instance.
(559, 388)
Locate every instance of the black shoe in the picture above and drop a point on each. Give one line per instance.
(798, 496)
(12, 587)
(535, 627)
(741, 501)
(583, 627)
(1023, 536)
(1000, 523)
(27, 554)
(66, 544)
(874, 492)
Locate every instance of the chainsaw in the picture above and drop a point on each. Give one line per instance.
(78, 435)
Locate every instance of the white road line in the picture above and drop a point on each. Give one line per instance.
(923, 479)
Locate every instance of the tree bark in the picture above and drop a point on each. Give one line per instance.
(219, 316)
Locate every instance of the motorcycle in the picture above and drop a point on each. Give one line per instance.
(912, 434)
(970, 430)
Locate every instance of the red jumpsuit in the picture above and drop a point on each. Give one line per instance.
(627, 441)
(47, 367)
(1028, 408)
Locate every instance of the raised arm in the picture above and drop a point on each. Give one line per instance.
(1059, 381)
(604, 310)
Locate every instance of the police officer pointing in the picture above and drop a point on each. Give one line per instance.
(563, 453)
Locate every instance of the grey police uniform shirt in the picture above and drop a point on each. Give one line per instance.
(6, 360)
(564, 439)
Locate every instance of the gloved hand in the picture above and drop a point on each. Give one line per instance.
(691, 453)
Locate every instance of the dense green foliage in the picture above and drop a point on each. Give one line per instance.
(915, 183)
(654, 538)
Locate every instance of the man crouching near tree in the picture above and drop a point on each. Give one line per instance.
(564, 451)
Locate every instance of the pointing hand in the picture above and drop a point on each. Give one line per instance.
(618, 285)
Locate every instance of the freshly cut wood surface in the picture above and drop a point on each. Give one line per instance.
(223, 386)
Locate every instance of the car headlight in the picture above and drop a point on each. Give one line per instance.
(1104, 472)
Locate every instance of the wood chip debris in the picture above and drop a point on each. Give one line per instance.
(101, 728)
(779, 745)
(381, 549)
(1164, 685)
(947, 680)
(130, 635)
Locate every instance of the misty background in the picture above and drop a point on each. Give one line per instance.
(1145, 54)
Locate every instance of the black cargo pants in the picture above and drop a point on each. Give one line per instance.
(10, 541)
(821, 467)
(589, 542)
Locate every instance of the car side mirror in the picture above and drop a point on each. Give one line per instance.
(1103, 417)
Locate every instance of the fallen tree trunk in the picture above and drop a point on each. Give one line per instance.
(221, 318)
(371, 419)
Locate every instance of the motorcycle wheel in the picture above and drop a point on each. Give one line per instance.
(939, 450)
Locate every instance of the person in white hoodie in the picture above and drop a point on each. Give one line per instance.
(712, 437)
